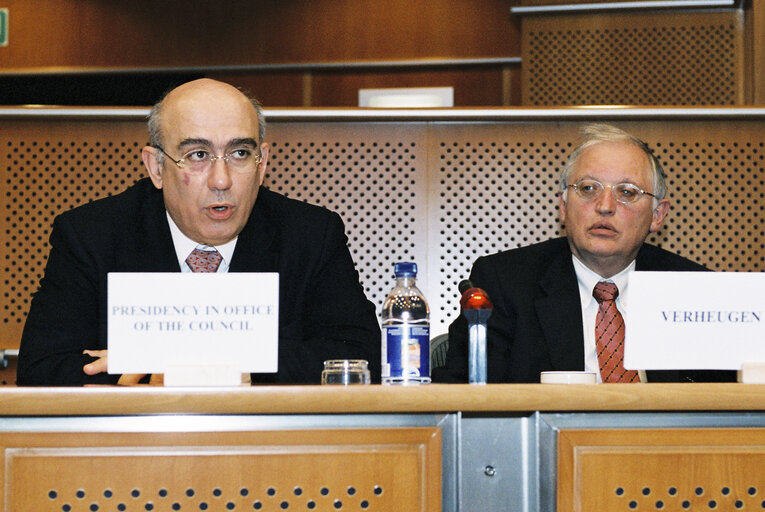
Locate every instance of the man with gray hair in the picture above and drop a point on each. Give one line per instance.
(202, 209)
(558, 304)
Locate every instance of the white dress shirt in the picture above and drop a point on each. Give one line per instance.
(184, 245)
(587, 280)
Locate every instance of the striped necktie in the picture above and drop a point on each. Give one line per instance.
(609, 336)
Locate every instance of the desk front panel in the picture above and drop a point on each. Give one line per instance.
(373, 469)
(661, 469)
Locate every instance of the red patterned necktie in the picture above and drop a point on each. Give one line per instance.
(204, 261)
(609, 336)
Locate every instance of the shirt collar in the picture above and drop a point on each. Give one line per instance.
(184, 245)
(588, 279)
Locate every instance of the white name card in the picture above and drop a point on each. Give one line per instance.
(161, 320)
(695, 320)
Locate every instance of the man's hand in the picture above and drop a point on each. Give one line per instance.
(99, 366)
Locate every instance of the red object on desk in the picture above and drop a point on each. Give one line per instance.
(475, 298)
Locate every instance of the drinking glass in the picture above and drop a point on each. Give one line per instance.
(345, 372)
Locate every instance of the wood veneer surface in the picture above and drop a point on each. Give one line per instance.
(105, 400)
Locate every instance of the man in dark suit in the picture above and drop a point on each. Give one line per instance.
(206, 163)
(612, 195)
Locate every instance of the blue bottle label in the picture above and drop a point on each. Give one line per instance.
(408, 350)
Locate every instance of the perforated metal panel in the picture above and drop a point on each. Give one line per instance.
(718, 191)
(374, 177)
(633, 59)
(440, 194)
(497, 189)
(43, 172)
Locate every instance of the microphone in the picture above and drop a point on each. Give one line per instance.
(476, 308)
(472, 297)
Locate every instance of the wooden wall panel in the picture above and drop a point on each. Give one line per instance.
(673, 62)
(271, 89)
(686, 58)
(661, 469)
(475, 87)
(71, 37)
(755, 56)
(146, 33)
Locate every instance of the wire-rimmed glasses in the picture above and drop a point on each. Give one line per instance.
(199, 161)
(625, 193)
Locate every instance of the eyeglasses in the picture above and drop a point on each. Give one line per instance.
(199, 161)
(625, 193)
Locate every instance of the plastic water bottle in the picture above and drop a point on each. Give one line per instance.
(405, 330)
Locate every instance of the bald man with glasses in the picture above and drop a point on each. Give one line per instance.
(559, 304)
(202, 209)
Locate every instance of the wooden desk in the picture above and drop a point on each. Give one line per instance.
(436, 447)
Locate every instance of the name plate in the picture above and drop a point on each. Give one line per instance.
(695, 320)
(158, 321)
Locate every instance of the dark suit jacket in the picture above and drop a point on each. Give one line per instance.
(323, 312)
(536, 325)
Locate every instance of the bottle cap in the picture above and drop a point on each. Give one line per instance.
(405, 269)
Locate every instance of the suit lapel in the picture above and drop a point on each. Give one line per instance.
(645, 260)
(158, 253)
(256, 246)
(559, 311)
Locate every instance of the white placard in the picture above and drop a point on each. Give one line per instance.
(695, 320)
(158, 320)
(407, 97)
